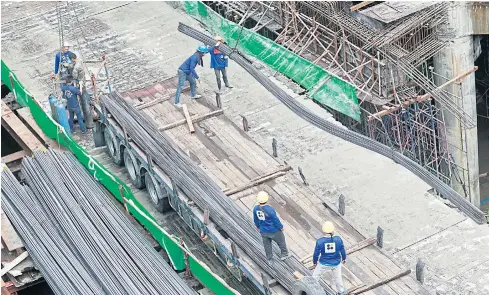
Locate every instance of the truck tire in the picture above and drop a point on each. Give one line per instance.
(308, 286)
(157, 195)
(113, 147)
(132, 167)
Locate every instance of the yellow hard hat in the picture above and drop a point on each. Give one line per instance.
(218, 38)
(328, 227)
(262, 197)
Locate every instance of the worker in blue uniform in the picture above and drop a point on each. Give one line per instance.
(270, 227)
(62, 59)
(330, 251)
(186, 72)
(70, 93)
(219, 62)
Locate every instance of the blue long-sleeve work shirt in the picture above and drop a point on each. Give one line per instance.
(266, 219)
(61, 58)
(188, 66)
(219, 60)
(329, 250)
(71, 93)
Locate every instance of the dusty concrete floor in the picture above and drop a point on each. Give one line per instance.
(143, 46)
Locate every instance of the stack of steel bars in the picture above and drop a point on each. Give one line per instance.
(79, 239)
(463, 204)
(201, 189)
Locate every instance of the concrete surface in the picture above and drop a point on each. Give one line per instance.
(142, 43)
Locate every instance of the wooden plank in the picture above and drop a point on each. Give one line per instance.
(250, 184)
(19, 131)
(360, 5)
(189, 120)
(26, 116)
(9, 235)
(14, 263)
(382, 282)
(195, 119)
(14, 157)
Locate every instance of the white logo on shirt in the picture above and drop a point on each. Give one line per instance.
(68, 93)
(329, 248)
(261, 215)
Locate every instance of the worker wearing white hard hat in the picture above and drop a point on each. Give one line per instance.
(219, 62)
(270, 227)
(330, 252)
(62, 58)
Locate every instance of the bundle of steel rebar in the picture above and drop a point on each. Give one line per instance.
(81, 241)
(463, 204)
(201, 189)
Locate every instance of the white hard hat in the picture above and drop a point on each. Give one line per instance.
(328, 227)
(218, 38)
(67, 44)
(262, 197)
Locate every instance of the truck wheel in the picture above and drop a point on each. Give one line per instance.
(308, 286)
(157, 194)
(131, 164)
(113, 147)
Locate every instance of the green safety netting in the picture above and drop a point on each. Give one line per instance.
(116, 187)
(335, 93)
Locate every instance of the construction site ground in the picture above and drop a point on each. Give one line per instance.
(143, 46)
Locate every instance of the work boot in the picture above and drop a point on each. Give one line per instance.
(196, 96)
(229, 86)
(285, 256)
(178, 105)
(270, 262)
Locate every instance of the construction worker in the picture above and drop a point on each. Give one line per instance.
(75, 70)
(270, 227)
(219, 62)
(330, 252)
(60, 60)
(70, 93)
(186, 72)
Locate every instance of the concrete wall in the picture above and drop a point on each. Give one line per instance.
(456, 58)
(480, 18)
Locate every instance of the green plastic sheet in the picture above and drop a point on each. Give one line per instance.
(335, 93)
(117, 188)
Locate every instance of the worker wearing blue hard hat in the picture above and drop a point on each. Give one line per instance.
(330, 253)
(186, 72)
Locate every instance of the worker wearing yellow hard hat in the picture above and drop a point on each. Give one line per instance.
(330, 252)
(219, 62)
(270, 227)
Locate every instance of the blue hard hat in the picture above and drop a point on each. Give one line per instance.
(203, 49)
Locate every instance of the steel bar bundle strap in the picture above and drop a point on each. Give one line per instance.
(342, 132)
(201, 189)
(79, 239)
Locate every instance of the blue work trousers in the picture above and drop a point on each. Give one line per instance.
(76, 111)
(182, 77)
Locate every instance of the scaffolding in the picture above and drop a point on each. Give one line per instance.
(391, 70)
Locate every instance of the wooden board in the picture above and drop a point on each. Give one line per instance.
(26, 116)
(189, 120)
(9, 235)
(14, 157)
(19, 131)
